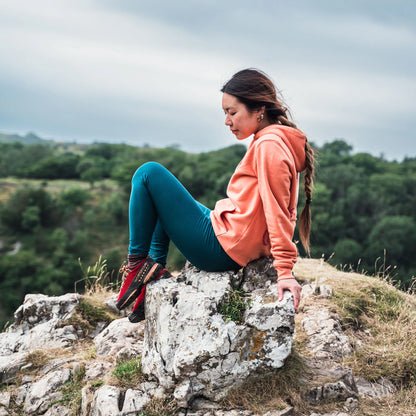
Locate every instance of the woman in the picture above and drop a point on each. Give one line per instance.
(258, 217)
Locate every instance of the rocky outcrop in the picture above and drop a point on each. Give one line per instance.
(193, 350)
(40, 323)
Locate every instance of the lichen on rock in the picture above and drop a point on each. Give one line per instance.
(193, 351)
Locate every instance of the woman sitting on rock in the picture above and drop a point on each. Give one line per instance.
(257, 219)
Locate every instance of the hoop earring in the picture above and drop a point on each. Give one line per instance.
(260, 118)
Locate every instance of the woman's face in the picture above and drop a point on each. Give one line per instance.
(242, 123)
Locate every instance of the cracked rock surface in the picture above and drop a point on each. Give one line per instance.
(190, 348)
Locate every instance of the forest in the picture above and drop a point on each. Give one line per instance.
(64, 205)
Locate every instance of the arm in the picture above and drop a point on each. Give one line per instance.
(275, 180)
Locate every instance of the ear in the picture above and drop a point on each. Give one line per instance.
(261, 109)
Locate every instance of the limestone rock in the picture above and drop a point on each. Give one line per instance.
(5, 399)
(87, 394)
(57, 410)
(336, 413)
(10, 366)
(191, 349)
(44, 391)
(330, 392)
(121, 339)
(134, 401)
(96, 369)
(21, 393)
(380, 388)
(285, 412)
(40, 323)
(105, 402)
(326, 339)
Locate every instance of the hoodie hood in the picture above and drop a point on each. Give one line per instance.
(294, 139)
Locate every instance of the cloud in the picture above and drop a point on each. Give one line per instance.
(127, 69)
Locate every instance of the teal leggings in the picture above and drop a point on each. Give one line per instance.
(160, 210)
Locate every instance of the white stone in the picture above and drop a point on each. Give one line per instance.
(121, 339)
(325, 291)
(21, 393)
(44, 391)
(330, 392)
(97, 369)
(10, 365)
(380, 388)
(105, 402)
(87, 394)
(325, 337)
(189, 347)
(57, 410)
(39, 324)
(134, 401)
(285, 412)
(5, 399)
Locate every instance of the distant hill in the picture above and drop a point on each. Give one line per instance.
(29, 138)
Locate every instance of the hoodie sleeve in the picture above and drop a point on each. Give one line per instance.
(275, 175)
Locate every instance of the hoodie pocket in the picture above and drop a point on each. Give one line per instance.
(223, 209)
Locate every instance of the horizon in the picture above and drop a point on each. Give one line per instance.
(152, 72)
(177, 146)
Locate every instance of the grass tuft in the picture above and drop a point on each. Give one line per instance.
(234, 304)
(128, 373)
(37, 359)
(87, 316)
(159, 407)
(96, 278)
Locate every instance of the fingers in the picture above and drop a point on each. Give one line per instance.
(280, 292)
(293, 286)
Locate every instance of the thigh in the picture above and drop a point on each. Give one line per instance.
(186, 221)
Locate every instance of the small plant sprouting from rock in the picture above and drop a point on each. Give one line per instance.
(234, 304)
(128, 373)
(87, 316)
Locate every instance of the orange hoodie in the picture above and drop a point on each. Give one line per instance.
(259, 216)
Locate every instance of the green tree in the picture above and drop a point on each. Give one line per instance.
(397, 236)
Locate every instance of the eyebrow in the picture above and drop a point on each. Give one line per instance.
(228, 108)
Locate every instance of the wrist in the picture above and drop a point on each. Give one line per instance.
(284, 274)
(286, 278)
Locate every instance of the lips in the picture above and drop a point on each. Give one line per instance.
(234, 131)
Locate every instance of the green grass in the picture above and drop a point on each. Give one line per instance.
(128, 373)
(233, 305)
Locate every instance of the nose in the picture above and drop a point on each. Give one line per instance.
(227, 120)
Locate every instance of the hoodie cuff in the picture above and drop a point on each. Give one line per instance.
(284, 274)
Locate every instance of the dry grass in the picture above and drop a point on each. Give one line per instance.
(378, 318)
(274, 391)
(159, 407)
(37, 359)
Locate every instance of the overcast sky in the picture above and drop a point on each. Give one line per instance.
(150, 71)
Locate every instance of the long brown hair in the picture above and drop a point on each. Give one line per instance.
(255, 89)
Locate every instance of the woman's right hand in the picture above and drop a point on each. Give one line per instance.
(293, 286)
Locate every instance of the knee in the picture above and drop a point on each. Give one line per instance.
(147, 170)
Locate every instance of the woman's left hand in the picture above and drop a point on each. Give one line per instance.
(294, 287)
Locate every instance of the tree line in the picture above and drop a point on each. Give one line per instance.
(363, 210)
